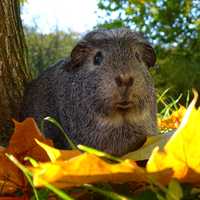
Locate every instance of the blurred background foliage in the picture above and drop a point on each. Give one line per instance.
(173, 27)
(46, 49)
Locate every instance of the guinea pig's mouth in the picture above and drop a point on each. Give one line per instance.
(124, 105)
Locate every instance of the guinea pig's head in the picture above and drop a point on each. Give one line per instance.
(112, 67)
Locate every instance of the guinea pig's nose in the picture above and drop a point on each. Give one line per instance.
(124, 80)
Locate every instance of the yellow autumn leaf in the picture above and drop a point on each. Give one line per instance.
(144, 152)
(86, 168)
(182, 152)
(57, 154)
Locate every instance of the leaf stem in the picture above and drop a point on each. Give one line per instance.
(26, 172)
(56, 123)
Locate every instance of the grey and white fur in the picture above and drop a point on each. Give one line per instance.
(103, 94)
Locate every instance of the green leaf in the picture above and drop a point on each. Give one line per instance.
(174, 190)
(147, 195)
(160, 197)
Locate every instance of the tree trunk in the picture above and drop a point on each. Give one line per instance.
(14, 72)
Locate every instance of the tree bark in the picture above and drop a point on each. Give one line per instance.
(14, 71)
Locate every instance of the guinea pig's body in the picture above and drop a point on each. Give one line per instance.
(103, 95)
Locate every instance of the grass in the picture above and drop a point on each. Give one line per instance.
(167, 104)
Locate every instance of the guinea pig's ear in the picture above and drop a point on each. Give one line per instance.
(147, 54)
(78, 55)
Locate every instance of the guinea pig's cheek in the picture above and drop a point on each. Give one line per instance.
(107, 95)
(90, 67)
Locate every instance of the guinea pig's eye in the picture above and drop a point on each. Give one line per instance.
(98, 58)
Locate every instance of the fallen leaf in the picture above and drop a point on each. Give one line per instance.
(144, 152)
(174, 191)
(2, 148)
(57, 154)
(173, 121)
(24, 197)
(182, 152)
(21, 144)
(86, 168)
(11, 178)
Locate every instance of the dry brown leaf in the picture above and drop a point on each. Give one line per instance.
(21, 144)
(24, 197)
(2, 148)
(11, 177)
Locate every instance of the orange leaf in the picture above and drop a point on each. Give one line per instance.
(24, 197)
(173, 121)
(2, 148)
(11, 177)
(22, 143)
(86, 168)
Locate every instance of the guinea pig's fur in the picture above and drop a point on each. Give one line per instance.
(102, 95)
